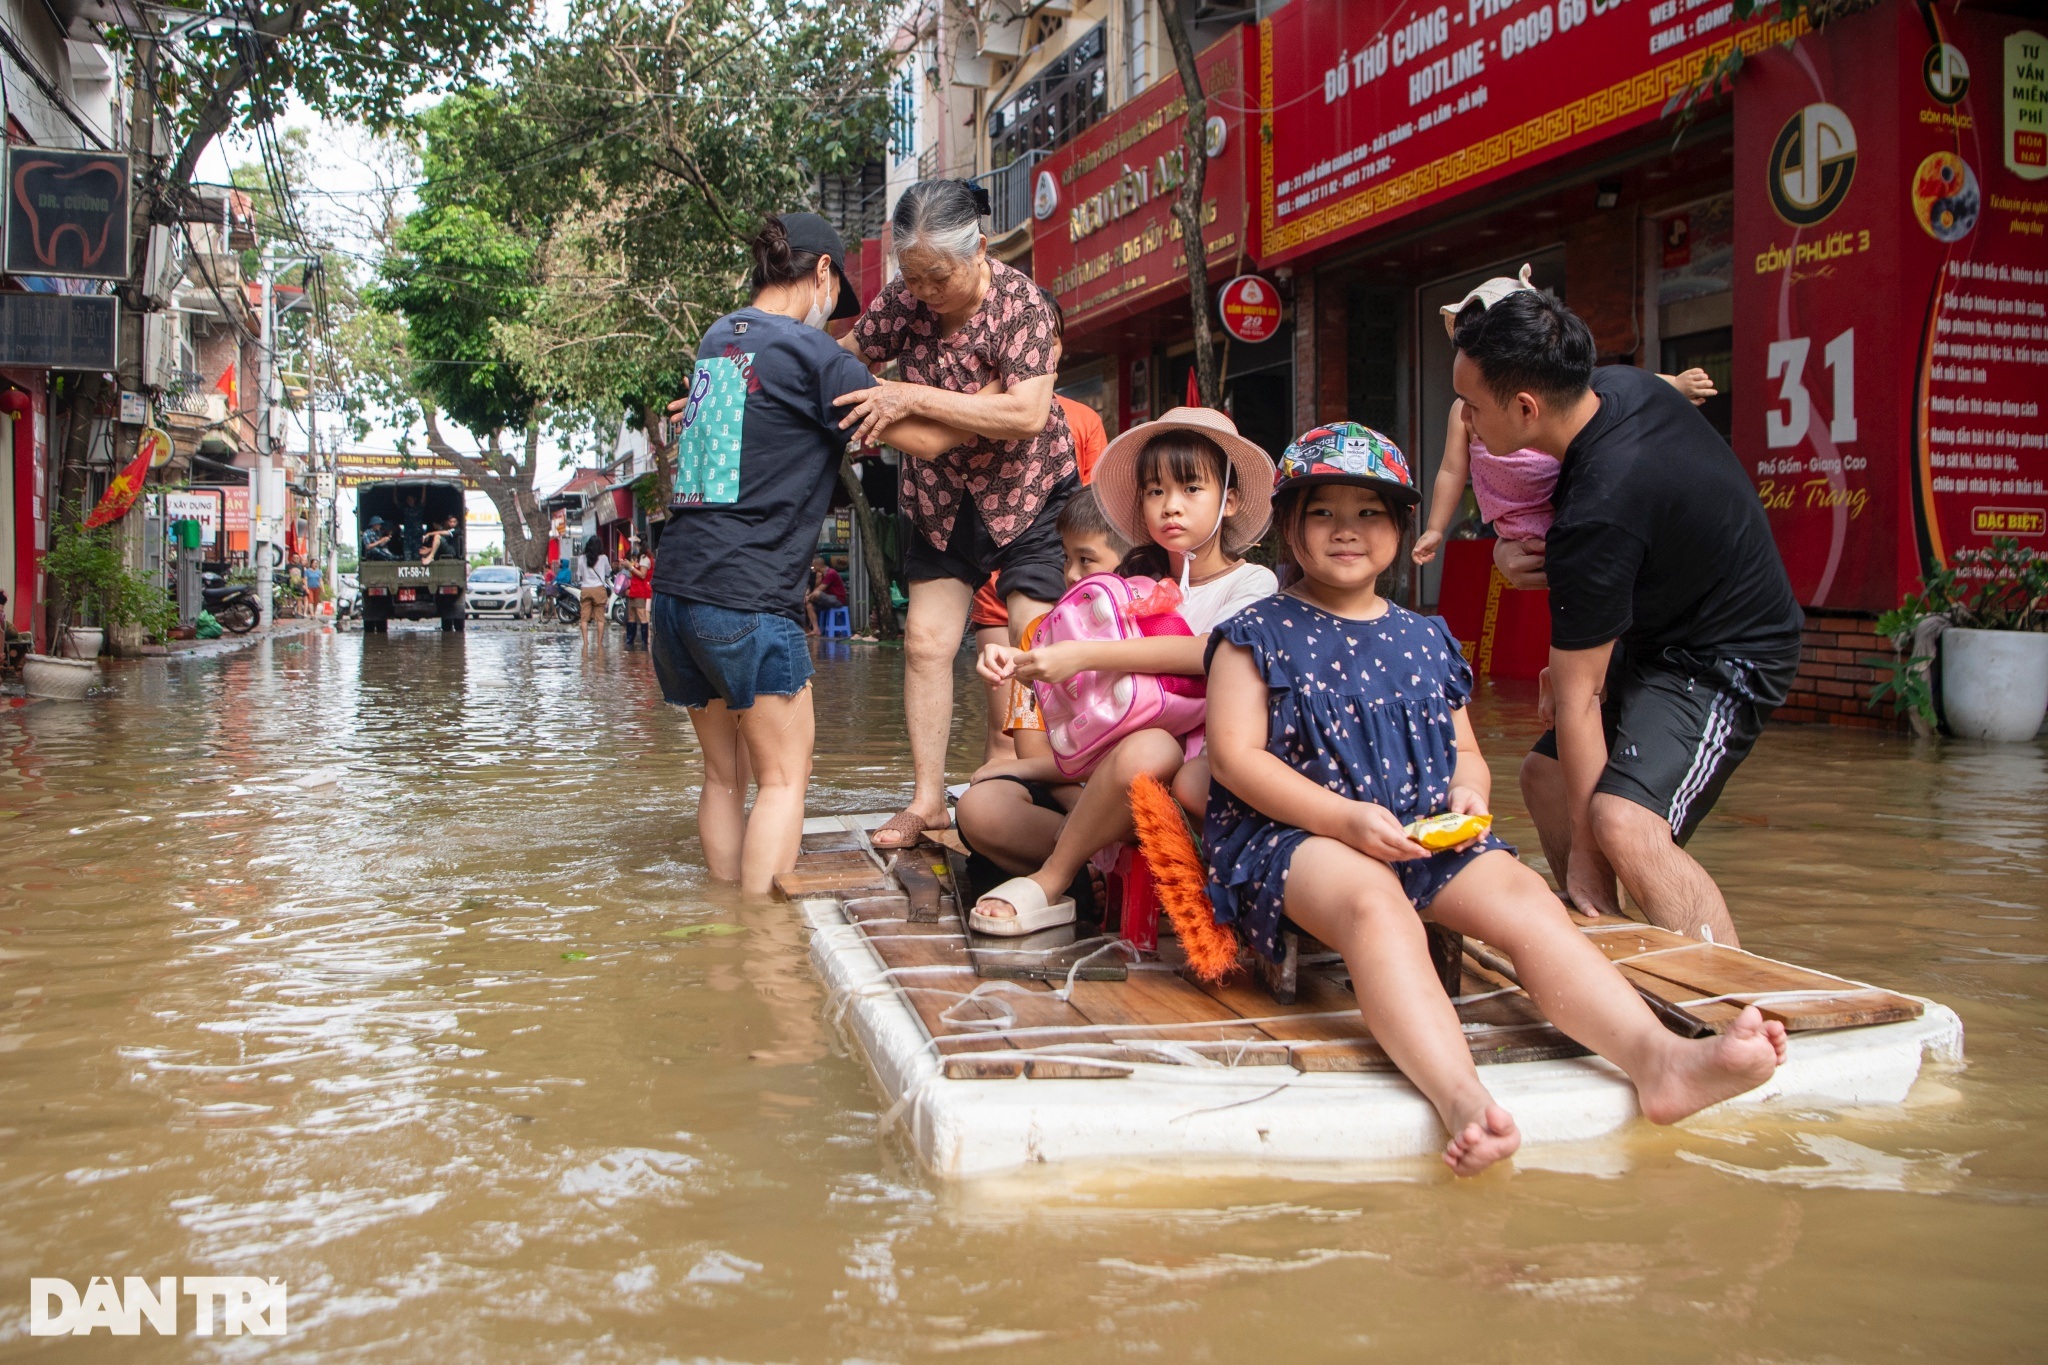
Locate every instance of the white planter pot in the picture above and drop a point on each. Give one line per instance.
(86, 642)
(45, 675)
(1994, 683)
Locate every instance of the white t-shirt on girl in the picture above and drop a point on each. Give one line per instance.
(598, 575)
(1209, 605)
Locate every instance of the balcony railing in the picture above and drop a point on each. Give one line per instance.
(1069, 96)
(1009, 192)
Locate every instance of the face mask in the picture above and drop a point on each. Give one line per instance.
(820, 311)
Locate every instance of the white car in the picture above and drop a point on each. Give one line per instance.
(496, 590)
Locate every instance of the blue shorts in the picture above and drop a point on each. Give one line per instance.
(704, 653)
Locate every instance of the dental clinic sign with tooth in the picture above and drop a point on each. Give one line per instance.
(67, 213)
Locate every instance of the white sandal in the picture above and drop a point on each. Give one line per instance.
(1033, 912)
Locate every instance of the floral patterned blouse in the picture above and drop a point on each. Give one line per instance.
(1010, 337)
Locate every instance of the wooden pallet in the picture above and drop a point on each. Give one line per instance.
(992, 1005)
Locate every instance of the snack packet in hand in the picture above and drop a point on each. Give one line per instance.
(1438, 832)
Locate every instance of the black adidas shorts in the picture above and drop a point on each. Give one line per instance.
(1678, 725)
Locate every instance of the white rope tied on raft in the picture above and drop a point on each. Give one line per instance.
(1065, 993)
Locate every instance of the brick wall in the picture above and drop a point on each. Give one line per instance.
(1835, 676)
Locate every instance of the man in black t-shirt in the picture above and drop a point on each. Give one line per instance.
(1674, 631)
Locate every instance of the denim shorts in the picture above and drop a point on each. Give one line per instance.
(704, 653)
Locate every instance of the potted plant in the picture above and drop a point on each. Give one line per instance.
(1989, 611)
(86, 575)
(84, 569)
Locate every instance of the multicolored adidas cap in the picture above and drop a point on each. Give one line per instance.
(1347, 452)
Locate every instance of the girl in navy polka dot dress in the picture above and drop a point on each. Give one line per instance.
(1336, 717)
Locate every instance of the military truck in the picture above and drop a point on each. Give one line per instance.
(396, 584)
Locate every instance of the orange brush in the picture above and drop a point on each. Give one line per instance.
(1180, 879)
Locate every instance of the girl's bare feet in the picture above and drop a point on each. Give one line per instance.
(1488, 1137)
(1710, 1070)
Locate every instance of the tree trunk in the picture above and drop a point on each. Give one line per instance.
(1187, 207)
(519, 511)
(871, 550)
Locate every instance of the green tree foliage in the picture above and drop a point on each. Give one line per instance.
(582, 219)
(344, 59)
(692, 122)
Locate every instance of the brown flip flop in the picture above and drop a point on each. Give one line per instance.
(906, 826)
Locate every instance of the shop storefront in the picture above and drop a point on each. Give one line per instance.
(1850, 245)
(1106, 243)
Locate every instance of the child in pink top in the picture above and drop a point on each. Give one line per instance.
(1513, 491)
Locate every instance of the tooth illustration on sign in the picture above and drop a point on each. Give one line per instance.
(68, 186)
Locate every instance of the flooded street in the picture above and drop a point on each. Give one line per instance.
(465, 1049)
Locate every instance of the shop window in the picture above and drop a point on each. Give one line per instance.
(1713, 352)
(1069, 95)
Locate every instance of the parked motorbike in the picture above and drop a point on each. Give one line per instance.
(564, 602)
(232, 604)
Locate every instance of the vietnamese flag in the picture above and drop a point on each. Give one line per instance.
(122, 492)
(226, 384)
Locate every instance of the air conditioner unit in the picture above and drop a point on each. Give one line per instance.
(1002, 38)
(160, 350)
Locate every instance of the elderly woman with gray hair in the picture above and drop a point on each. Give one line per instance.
(976, 344)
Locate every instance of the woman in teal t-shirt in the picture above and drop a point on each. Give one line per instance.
(757, 457)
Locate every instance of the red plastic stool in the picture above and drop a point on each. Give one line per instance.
(1129, 884)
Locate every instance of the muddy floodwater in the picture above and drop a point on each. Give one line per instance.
(465, 1049)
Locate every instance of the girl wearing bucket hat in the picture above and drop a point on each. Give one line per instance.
(1189, 489)
(1190, 485)
(1337, 721)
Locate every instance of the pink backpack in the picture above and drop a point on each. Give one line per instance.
(1088, 713)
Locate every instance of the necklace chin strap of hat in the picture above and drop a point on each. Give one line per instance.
(1187, 559)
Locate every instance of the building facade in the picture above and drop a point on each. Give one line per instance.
(1850, 243)
(63, 90)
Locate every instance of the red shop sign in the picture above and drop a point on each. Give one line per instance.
(1382, 107)
(1103, 235)
(1251, 309)
(1891, 299)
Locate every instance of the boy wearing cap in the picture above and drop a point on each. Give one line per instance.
(1674, 631)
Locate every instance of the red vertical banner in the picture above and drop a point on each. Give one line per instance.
(1820, 411)
(1891, 293)
(1975, 160)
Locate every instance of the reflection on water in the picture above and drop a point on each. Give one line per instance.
(426, 1043)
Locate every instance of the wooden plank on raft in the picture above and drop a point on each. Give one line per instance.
(797, 885)
(1151, 996)
(1322, 1011)
(1031, 958)
(1013, 1066)
(948, 839)
(1711, 969)
(920, 884)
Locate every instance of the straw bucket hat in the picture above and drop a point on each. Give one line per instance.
(1251, 475)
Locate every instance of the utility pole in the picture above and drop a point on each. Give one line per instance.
(259, 504)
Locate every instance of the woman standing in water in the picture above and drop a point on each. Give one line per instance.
(756, 459)
(593, 589)
(977, 345)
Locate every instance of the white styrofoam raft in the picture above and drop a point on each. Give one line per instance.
(1273, 1119)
